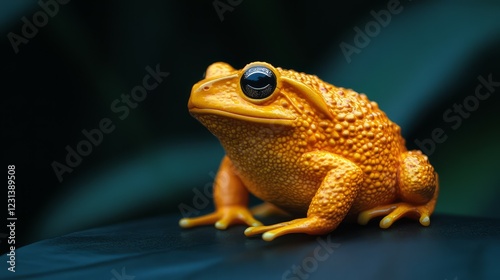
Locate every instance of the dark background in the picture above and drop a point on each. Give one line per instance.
(65, 78)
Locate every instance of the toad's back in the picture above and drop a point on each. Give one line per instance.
(307, 147)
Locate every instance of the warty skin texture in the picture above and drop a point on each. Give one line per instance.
(311, 149)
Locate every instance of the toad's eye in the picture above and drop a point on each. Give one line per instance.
(258, 82)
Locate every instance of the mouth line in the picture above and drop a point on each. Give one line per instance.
(283, 121)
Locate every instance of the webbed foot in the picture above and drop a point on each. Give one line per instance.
(309, 225)
(396, 211)
(222, 218)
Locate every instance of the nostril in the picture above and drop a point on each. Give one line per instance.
(205, 88)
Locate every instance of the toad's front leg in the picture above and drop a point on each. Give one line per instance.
(332, 200)
(231, 200)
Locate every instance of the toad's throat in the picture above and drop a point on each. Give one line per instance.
(239, 116)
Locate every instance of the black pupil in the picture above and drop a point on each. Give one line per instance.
(258, 82)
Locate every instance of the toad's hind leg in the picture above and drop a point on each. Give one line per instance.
(418, 189)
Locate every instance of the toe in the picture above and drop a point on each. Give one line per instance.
(365, 216)
(236, 216)
(222, 224)
(386, 222)
(311, 226)
(425, 220)
(253, 230)
(268, 236)
(394, 212)
(199, 221)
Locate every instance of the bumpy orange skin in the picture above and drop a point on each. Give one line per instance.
(311, 149)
